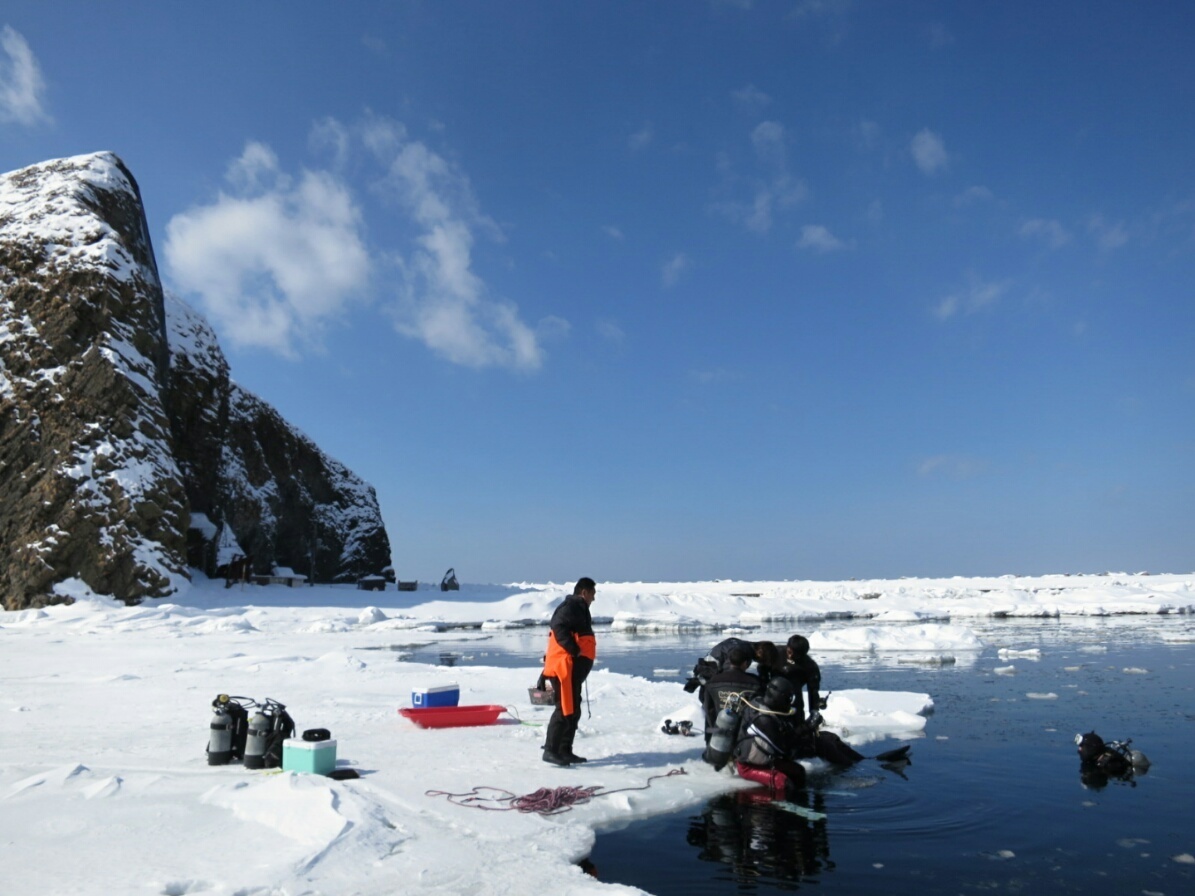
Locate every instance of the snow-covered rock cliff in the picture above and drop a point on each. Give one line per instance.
(120, 426)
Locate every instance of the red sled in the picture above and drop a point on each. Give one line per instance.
(453, 716)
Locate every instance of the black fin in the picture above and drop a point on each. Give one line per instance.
(900, 754)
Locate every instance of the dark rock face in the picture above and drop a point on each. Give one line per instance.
(249, 470)
(113, 433)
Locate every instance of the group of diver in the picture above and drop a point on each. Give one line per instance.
(758, 719)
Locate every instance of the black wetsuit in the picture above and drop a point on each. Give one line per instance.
(803, 672)
(785, 739)
(719, 688)
(720, 652)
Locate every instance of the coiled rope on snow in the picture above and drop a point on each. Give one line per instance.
(545, 801)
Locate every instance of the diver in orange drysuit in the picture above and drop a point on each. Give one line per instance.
(572, 649)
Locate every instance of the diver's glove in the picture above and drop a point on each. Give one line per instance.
(815, 719)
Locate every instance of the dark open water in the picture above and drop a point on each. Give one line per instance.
(992, 802)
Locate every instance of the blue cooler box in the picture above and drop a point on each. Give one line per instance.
(311, 757)
(444, 695)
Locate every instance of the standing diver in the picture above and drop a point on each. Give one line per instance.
(572, 648)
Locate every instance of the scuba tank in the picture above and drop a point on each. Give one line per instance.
(268, 728)
(219, 744)
(226, 737)
(257, 740)
(726, 726)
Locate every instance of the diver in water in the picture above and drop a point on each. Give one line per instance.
(771, 737)
(774, 735)
(1101, 761)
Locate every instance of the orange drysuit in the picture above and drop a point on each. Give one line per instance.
(558, 664)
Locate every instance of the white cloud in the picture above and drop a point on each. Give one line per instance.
(278, 257)
(1108, 236)
(276, 261)
(972, 195)
(1051, 232)
(751, 99)
(615, 233)
(642, 138)
(673, 268)
(952, 466)
(443, 302)
(929, 152)
(330, 136)
(610, 331)
(21, 85)
(947, 308)
(781, 193)
(553, 328)
(817, 238)
(768, 141)
(975, 297)
(774, 189)
(715, 375)
(256, 169)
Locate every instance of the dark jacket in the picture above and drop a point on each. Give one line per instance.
(720, 652)
(804, 673)
(719, 688)
(570, 620)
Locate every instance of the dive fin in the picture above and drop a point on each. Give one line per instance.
(900, 754)
(799, 810)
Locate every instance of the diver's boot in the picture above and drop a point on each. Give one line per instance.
(555, 758)
(566, 748)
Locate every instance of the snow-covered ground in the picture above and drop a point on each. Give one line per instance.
(104, 716)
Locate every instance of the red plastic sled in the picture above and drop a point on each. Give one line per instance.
(453, 716)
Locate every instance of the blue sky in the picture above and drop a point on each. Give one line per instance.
(674, 291)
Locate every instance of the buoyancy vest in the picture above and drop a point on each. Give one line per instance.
(558, 664)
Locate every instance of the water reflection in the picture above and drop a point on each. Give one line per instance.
(761, 839)
(1092, 777)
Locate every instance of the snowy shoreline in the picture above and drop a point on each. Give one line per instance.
(106, 710)
(668, 606)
